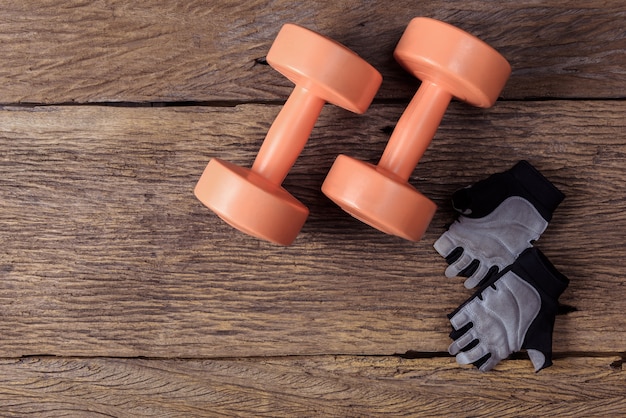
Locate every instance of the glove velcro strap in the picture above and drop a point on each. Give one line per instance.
(534, 267)
(547, 196)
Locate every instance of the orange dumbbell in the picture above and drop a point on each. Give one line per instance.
(252, 200)
(450, 63)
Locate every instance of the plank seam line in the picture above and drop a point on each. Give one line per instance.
(412, 356)
(235, 103)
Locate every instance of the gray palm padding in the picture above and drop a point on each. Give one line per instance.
(500, 322)
(494, 240)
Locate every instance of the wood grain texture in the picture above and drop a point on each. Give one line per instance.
(104, 250)
(121, 295)
(309, 386)
(62, 51)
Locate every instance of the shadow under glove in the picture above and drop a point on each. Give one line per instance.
(514, 310)
(499, 218)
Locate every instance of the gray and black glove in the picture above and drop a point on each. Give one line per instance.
(514, 310)
(499, 218)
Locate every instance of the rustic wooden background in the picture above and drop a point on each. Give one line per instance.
(121, 295)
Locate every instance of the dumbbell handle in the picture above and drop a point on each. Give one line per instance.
(288, 135)
(415, 130)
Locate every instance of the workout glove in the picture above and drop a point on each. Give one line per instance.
(512, 311)
(499, 218)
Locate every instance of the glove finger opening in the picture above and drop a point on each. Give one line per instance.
(456, 333)
(472, 355)
(459, 265)
(470, 270)
(454, 255)
(447, 247)
(477, 276)
(479, 282)
(489, 363)
(465, 342)
(460, 319)
(481, 361)
(493, 271)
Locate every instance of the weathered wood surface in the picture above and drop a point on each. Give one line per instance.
(61, 51)
(309, 387)
(106, 256)
(106, 252)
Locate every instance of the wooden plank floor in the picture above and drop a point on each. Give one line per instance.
(121, 295)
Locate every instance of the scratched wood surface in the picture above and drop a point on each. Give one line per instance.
(121, 295)
(59, 51)
(308, 386)
(100, 227)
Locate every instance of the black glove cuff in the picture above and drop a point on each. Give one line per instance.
(522, 180)
(534, 267)
(547, 197)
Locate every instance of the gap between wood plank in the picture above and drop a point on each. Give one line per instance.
(235, 103)
(410, 355)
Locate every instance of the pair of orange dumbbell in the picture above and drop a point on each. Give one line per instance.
(450, 63)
